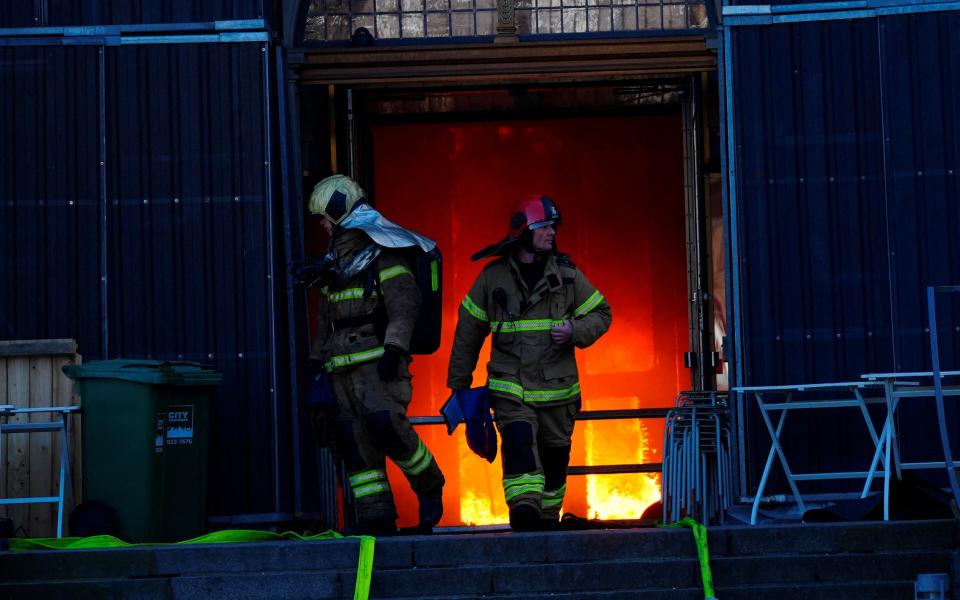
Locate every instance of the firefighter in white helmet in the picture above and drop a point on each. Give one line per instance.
(366, 317)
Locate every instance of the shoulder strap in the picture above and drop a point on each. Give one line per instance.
(568, 270)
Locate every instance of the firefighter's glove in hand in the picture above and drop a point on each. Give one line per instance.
(562, 334)
(322, 405)
(389, 366)
(481, 433)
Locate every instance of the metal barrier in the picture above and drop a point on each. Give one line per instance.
(61, 427)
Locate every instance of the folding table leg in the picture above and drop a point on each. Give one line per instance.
(770, 455)
(886, 481)
(775, 447)
(866, 417)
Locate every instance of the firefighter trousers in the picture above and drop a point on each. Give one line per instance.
(372, 425)
(535, 449)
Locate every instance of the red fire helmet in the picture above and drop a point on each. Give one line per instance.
(531, 213)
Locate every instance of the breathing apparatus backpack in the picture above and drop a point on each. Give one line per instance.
(427, 270)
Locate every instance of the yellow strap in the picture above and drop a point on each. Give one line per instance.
(700, 538)
(361, 589)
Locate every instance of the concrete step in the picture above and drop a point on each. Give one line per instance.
(489, 549)
(158, 561)
(782, 562)
(525, 580)
(902, 590)
(860, 590)
(470, 581)
(832, 538)
(645, 594)
(737, 577)
(252, 588)
(833, 568)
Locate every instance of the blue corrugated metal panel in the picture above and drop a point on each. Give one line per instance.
(136, 217)
(116, 12)
(43, 13)
(189, 239)
(49, 195)
(921, 70)
(810, 169)
(840, 228)
(18, 14)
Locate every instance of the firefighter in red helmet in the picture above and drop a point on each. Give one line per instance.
(539, 307)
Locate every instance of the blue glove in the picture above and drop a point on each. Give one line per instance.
(473, 407)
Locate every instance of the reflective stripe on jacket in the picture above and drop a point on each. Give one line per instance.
(343, 347)
(525, 363)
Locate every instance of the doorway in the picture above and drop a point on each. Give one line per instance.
(453, 164)
(618, 181)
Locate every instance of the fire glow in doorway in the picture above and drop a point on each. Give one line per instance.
(618, 182)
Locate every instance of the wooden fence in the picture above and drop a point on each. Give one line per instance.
(31, 377)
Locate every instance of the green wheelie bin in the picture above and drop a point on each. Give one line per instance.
(144, 444)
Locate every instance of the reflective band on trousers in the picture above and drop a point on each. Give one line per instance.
(533, 396)
(345, 360)
(553, 497)
(522, 484)
(393, 272)
(366, 483)
(591, 303)
(473, 309)
(418, 461)
(526, 325)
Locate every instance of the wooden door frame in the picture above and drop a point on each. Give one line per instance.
(498, 64)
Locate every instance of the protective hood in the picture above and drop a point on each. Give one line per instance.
(383, 231)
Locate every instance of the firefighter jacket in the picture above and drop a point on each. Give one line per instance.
(377, 307)
(525, 363)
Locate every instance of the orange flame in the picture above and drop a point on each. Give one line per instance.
(607, 497)
(619, 496)
(481, 493)
(637, 259)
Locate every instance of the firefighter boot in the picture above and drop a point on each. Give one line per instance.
(555, 461)
(431, 508)
(524, 517)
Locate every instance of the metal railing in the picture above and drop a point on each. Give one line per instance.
(595, 415)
